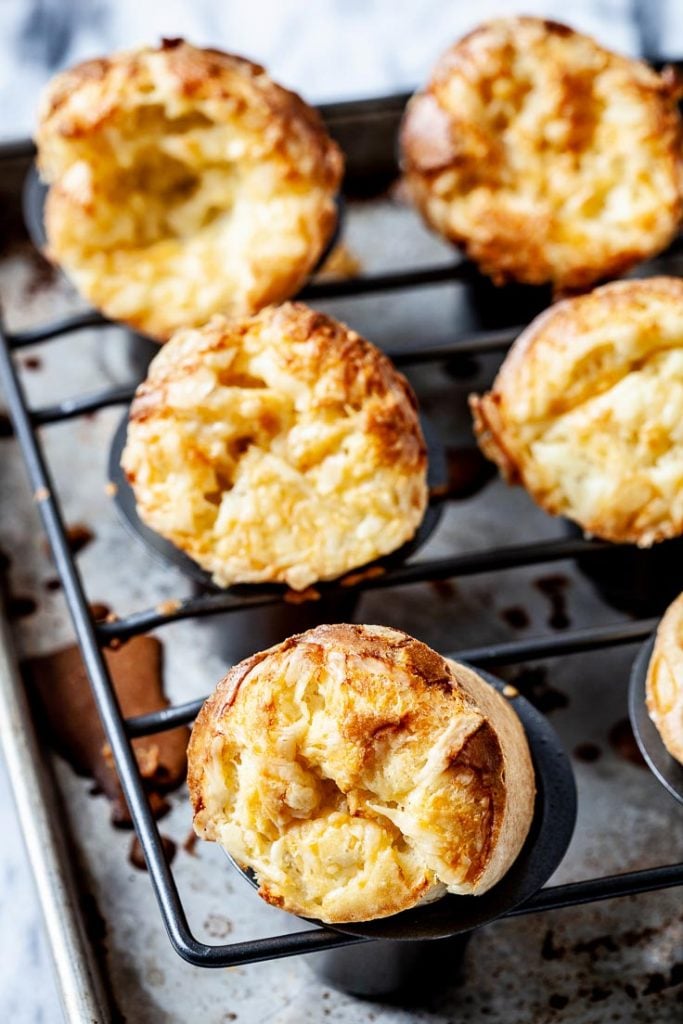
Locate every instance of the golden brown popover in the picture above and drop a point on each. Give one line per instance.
(183, 182)
(281, 448)
(358, 773)
(665, 680)
(544, 156)
(587, 411)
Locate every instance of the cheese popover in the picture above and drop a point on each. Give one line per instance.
(664, 685)
(283, 448)
(358, 773)
(183, 182)
(547, 158)
(587, 411)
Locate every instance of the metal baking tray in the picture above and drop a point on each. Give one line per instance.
(496, 584)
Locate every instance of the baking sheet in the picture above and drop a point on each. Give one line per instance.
(583, 964)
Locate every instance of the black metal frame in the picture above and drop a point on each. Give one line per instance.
(91, 635)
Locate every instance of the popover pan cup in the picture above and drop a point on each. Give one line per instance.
(419, 950)
(242, 632)
(640, 581)
(663, 766)
(141, 348)
(508, 305)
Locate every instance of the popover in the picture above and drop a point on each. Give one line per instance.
(547, 158)
(587, 411)
(359, 773)
(664, 685)
(280, 448)
(183, 182)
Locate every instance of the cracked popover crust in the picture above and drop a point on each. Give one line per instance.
(547, 158)
(281, 448)
(664, 685)
(359, 773)
(587, 411)
(183, 182)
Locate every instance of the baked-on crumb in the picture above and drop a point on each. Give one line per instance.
(544, 156)
(587, 411)
(183, 182)
(278, 449)
(359, 773)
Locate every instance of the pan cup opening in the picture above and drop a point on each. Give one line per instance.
(451, 916)
(497, 306)
(639, 581)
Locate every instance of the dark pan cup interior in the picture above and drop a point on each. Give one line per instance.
(663, 766)
(545, 846)
(497, 306)
(639, 581)
(168, 553)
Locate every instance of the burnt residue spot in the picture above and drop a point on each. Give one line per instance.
(42, 275)
(20, 606)
(632, 938)
(655, 983)
(588, 752)
(623, 742)
(444, 589)
(630, 990)
(549, 951)
(557, 1001)
(137, 858)
(79, 536)
(32, 362)
(54, 583)
(190, 843)
(6, 428)
(120, 815)
(99, 611)
(5, 561)
(598, 994)
(554, 588)
(65, 709)
(591, 946)
(532, 683)
(516, 617)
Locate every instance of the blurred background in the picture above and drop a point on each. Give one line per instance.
(327, 49)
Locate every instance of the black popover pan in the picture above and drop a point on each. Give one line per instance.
(546, 844)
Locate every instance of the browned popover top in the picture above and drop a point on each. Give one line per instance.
(546, 157)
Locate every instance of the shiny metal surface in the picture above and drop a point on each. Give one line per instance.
(39, 808)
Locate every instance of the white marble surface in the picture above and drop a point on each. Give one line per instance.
(327, 49)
